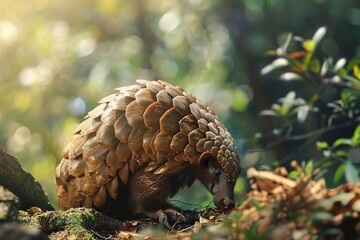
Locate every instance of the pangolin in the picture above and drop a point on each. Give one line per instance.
(139, 147)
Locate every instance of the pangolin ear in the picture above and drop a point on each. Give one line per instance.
(204, 158)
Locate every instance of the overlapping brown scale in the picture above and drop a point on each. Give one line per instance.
(87, 202)
(169, 122)
(214, 150)
(201, 104)
(91, 168)
(62, 172)
(152, 145)
(98, 110)
(152, 115)
(144, 97)
(152, 166)
(210, 117)
(129, 91)
(164, 99)
(200, 145)
(105, 135)
(194, 159)
(203, 125)
(112, 187)
(162, 145)
(108, 98)
(154, 86)
(179, 157)
(209, 110)
(190, 150)
(83, 125)
(99, 197)
(210, 135)
(134, 115)
(120, 102)
(189, 96)
(110, 115)
(123, 173)
(178, 142)
(213, 128)
(172, 90)
(135, 141)
(76, 197)
(122, 129)
(102, 175)
(112, 160)
(92, 126)
(63, 200)
(123, 152)
(195, 110)
(208, 145)
(84, 185)
(161, 169)
(133, 163)
(181, 104)
(195, 136)
(93, 152)
(74, 148)
(187, 124)
(147, 139)
(76, 167)
(203, 113)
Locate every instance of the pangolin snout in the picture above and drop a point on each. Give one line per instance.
(225, 203)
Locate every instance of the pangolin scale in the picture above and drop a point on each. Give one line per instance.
(154, 125)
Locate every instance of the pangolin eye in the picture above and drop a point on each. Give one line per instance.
(217, 172)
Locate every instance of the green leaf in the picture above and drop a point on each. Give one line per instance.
(287, 42)
(339, 172)
(356, 137)
(324, 68)
(341, 141)
(341, 153)
(314, 66)
(268, 112)
(309, 167)
(327, 164)
(313, 99)
(322, 145)
(309, 45)
(327, 153)
(340, 64)
(356, 71)
(321, 174)
(294, 174)
(290, 76)
(277, 63)
(302, 113)
(319, 34)
(351, 172)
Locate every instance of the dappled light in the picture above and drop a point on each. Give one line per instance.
(58, 58)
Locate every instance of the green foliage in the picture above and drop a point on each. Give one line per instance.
(329, 79)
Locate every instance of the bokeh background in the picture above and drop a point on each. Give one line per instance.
(58, 58)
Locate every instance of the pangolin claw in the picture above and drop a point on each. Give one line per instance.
(167, 216)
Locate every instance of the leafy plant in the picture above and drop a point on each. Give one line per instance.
(333, 95)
